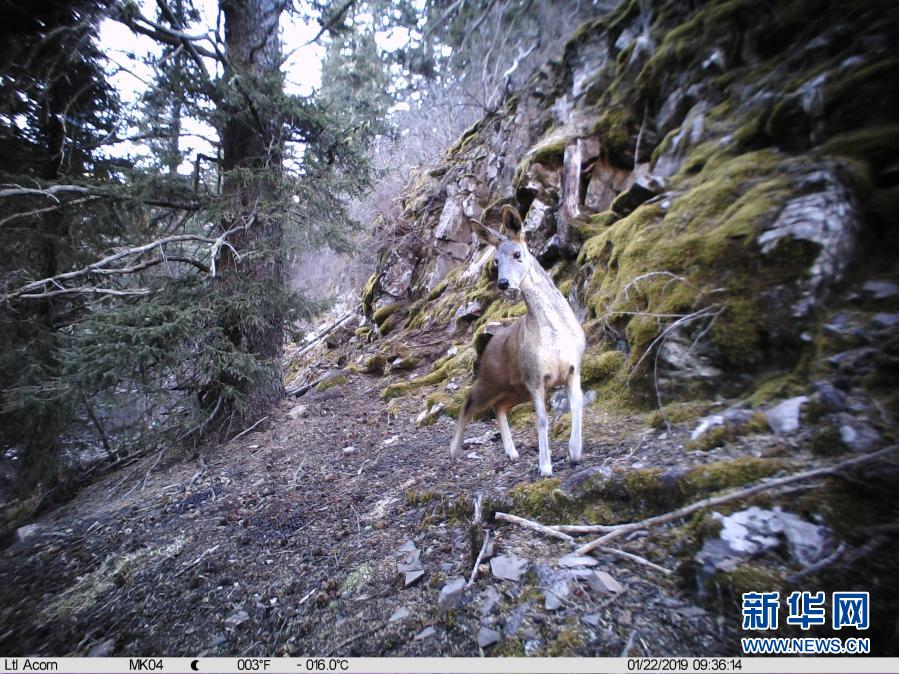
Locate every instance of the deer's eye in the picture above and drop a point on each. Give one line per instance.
(516, 255)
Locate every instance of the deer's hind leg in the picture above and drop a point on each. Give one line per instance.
(505, 432)
(478, 400)
(576, 403)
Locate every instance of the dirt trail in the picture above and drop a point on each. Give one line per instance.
(285, 542)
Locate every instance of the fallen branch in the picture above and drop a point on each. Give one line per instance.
(635, 558)
(324, 333)
(245, 431)
(477, 562)
(585, 528)
(819, 565)
(558, 531)
(197, 560)
(297, 391)
(726, 498)
(534, 526)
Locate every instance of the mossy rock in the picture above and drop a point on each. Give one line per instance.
(637, 493)
(678, 413)
(721, 475)
(405, 364)
(386, 312)
(543, 500)
(332, 381)
(437, 291)
(375, 364)
(368, 292)
(747, 577)
(457, 365)
(600, 368)
(721, 434)
(390, 324)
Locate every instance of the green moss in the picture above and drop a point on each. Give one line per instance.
(437, 291)
(509, 648)
(566, 643)
(358, 578)
(712, 477)
(597, 369)
(677, 413)
(642, 329)
(747, 577)
(375, 364)
(776, 387)
(565, 287)
(368, 292)
(457, 365)
(522, 416)
(827, 440)
(331, 382)
(419, 498)
(363, 331)
(386, 312)
(561, 428)
(720, 435)
(500, 311)
(404, 364)
(876, 143)
(390, 324)
(543, 500)
(450, 402)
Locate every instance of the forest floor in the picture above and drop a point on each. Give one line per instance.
(285, 541)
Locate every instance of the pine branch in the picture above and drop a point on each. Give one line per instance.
(100, 267)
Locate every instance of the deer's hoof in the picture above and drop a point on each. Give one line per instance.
(513, 456)
(546, 471)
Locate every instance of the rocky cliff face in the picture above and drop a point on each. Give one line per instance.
(731, 164)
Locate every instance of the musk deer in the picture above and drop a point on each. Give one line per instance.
(539, 351)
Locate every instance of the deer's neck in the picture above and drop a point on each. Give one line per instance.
(547, 307)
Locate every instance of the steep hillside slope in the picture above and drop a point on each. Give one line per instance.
(731, 252)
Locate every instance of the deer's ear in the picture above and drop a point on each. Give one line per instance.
(485, 233)
(512, 225)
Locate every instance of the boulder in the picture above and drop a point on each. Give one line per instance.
(451, 595)
(508, 567)
(784, 417)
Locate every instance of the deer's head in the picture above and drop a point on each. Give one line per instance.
(513, 259)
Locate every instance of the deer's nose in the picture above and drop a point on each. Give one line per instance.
(503, 283)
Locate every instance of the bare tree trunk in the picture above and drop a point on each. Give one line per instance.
(252, 168)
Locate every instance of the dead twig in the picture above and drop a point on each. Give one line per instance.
(199, 559)
(635, 558)
(534, 526)
(477, 562)
(731, 496)
(244, 432)
(629, 644)
(819, 565)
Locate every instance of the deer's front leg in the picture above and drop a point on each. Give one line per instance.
(576, 403)
(546, 465)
